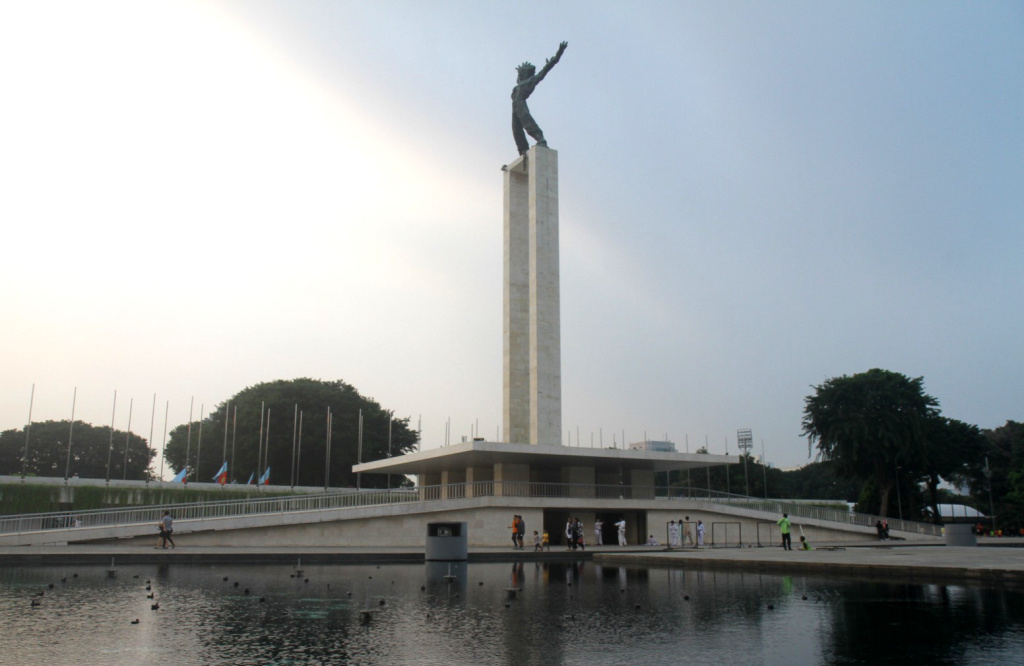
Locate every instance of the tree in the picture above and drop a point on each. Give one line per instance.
(91, 449)
(242, 449)
(1003, 459)
(869, 424)
(950, 448)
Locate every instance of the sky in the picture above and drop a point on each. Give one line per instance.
(196, 197)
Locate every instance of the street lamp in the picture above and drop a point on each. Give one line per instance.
(899, 500)
(991, 506)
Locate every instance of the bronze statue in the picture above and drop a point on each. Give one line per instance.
(522, 122)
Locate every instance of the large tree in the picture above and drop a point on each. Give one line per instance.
(308, 462)
(870, 424)
(951, 449)
(996, 476)
(93, 451)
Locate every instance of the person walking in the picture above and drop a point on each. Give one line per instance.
(787, 541)
(166, 529)
(700, 534)
(598, 532)
(515, 528)
(577, 531)
(570, 535)
(687, 535)
(673, 534)
(521, 533)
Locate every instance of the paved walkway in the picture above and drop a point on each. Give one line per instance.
(874, 559)
(892, 559)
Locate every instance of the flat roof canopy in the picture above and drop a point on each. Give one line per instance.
(483, 454)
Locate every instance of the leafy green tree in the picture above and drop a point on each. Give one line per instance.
(90, 451)
(242, 449)
(950, 448)
(870, 424)
(1004, 453)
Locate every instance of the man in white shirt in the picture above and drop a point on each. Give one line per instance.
(622, 531)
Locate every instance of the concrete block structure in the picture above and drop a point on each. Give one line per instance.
(532, 401)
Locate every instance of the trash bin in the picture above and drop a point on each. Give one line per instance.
(960, 535)
(447, 542)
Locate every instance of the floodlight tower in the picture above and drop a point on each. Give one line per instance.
(745, 442)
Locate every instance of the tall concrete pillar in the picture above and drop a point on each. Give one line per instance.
(532, 396)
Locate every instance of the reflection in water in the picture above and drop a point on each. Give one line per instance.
(438, 613)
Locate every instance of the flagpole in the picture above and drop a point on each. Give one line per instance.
(167, 410)
(227, 408)
(110, 446)
(327, 450)
(199, 446)
(359, 452)
(298, 454)
(390, 414)
(259, 446)
(127, 437)
(295, 428)
(188, 447)
(266, 455)
(152, 420)
(28, 429)
(71, 432)
(234, 434)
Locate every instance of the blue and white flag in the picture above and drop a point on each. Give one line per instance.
(180, 476)
(265, 479)
(251, 477)
(221, 476)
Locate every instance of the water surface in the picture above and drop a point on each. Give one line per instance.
(565, 614)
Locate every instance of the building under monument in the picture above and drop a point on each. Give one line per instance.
(531, 473)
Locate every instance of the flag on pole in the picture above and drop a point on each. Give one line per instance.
(221, 476)
(251, 477)
(265, 479)
(180, 476)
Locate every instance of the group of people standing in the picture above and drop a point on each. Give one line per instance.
(882, 527)
(574, 534)
(680, 533)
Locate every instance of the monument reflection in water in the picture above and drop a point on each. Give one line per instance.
(565, 614)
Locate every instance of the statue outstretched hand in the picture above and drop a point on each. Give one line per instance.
(558, 56)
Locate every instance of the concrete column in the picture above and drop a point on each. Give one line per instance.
(545, 319)
(514, 474)
(450, 477)
(475, 474)
(516, 310)
(642, 481)
(532, 399)
(429, 479)
(582, 480)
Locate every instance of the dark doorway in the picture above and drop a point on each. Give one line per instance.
(554, 525)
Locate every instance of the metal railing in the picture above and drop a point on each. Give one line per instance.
(347, 498)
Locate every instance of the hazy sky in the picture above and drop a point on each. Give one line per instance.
(197, 197)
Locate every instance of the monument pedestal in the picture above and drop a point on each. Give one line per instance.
(532, 395)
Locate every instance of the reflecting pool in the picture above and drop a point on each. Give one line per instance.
(561, 614)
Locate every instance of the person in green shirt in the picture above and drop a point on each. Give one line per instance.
(783, 524)
(804, 544)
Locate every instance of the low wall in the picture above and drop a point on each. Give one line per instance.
(489, 520)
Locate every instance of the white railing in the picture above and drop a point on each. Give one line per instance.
(348, 498)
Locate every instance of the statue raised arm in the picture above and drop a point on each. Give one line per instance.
(522, 122)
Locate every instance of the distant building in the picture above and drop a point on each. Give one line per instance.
(650, 445)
